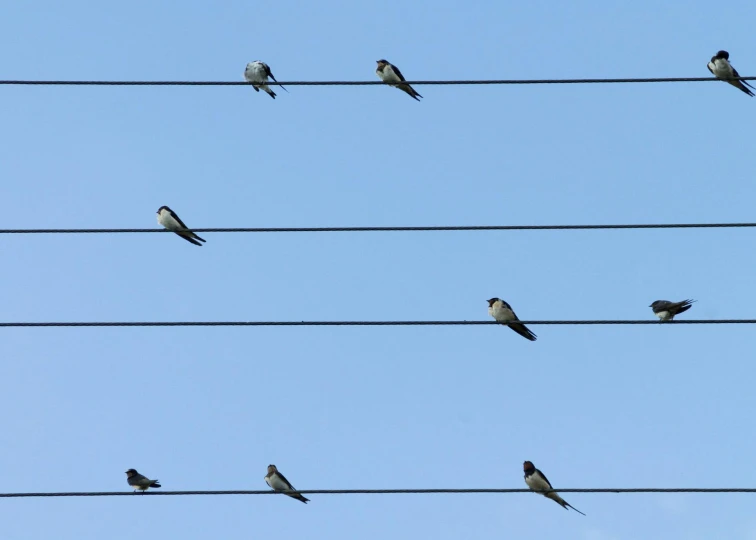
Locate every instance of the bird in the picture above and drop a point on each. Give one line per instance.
(666, 310)
(170, 220)
(502, 312)
(257, 72)
(390, 74)
(537, 481)
(278, 482)
(139, 481)
(721, 68)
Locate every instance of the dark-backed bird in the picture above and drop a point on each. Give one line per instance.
(503, 313)
(720, 67)
(391, 75)
(537, 481)
(278, 482)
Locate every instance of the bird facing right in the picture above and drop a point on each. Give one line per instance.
(666, 310)
(721, 68)
(139, 481)
(278, 482)
(503, 313)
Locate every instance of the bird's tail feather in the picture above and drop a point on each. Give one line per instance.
(411, 91)
(523, 330)
(190, 237)
(564, 504)
(298, 496)
(575, 509)
(684, 306)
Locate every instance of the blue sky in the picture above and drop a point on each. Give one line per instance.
(394, 407)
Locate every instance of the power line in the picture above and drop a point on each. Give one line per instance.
(370, 83)
(381, 492)
(361, 323)
(396, 229)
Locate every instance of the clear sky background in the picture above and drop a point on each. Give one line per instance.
(391, 407)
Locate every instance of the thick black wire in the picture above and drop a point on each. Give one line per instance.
(361, 323)
(382, 492)
(395, 229)
(368, 83)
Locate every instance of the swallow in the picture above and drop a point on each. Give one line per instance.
(502, 312)
(170, 220)
(721, 68)
(258, 72)
(667, 310)
(278, 482)
(390, 74)
(139, 481)
(537, 481)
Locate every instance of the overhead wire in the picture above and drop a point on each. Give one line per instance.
(375, 83)
(418, 228)
(377, 492)
(365, 323)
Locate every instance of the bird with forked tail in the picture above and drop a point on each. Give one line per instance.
(537, 481)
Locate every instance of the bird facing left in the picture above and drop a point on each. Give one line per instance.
(139, 481)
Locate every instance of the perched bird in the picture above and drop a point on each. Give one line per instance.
(257, 73)
(502, 312)
(667, 310)
(279, 483)
(139, 481)
(170, 220)
(390, 74)
(721, 68)
(537, 481)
